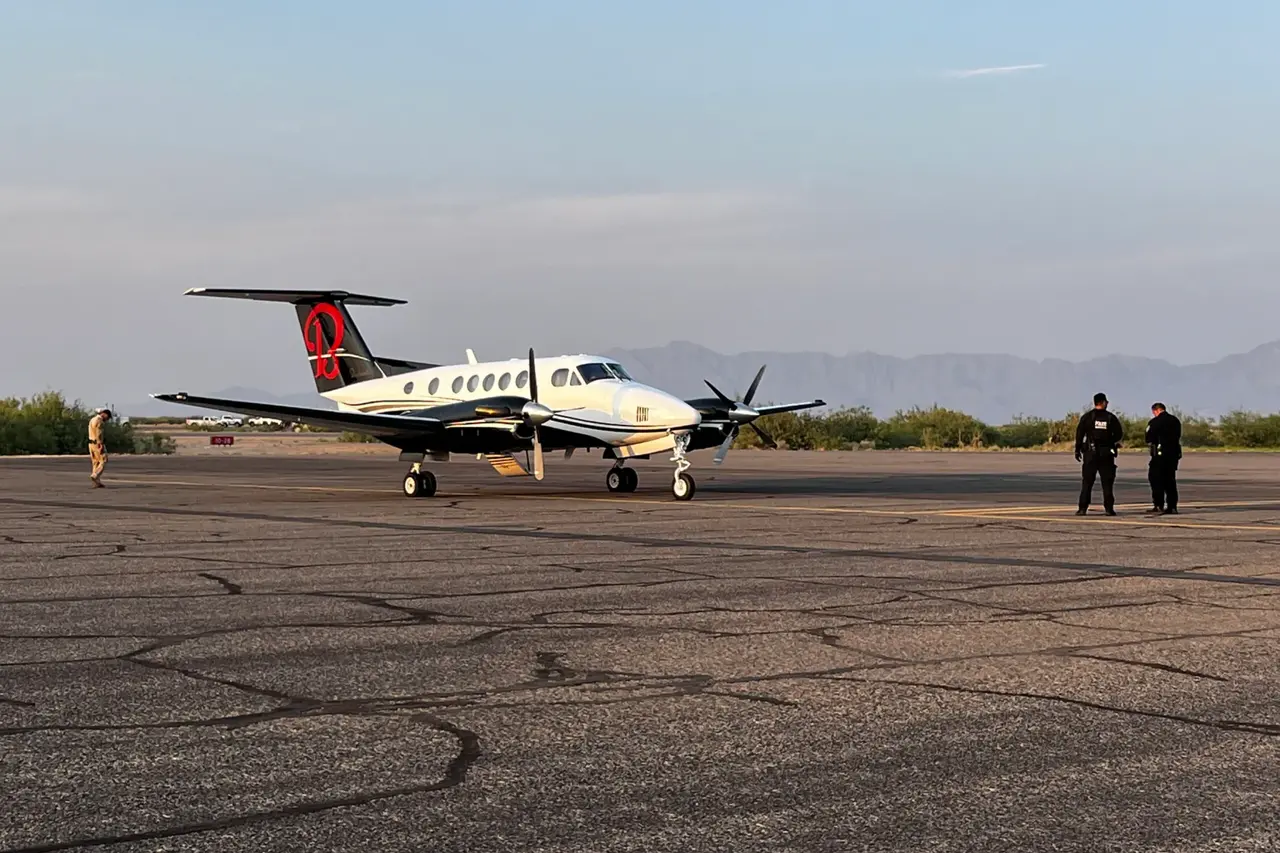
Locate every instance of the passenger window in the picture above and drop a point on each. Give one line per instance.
(560, 377)
(488, 382)
(473, 383)
(522, 379)
(434, 386)
(504, 382)
(457, 385)
(408, 388)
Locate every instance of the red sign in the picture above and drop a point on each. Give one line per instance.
(217, 440)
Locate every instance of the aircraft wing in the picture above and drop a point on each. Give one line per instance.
(371, 424)
(789, 407)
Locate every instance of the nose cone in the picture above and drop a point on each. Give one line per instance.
(681, 414)
(646, 406)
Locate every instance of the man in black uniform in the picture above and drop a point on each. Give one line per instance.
(1164, 434)
(1098, 436)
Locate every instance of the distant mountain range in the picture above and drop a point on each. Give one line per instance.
(994, 388)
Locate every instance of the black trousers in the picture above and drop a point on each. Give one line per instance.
(1163, 477)
(1098, 466)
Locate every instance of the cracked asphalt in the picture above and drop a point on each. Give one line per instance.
(820, 652)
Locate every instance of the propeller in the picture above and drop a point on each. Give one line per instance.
(535, 414)
(741, 414)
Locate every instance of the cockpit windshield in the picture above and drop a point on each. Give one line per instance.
(596, 371)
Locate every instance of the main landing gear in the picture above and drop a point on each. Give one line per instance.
(621, 479)
(419, 483)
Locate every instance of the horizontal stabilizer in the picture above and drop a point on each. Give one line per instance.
(295, 297)
(370, 424)
(396, 366)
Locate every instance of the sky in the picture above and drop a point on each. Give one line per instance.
(1046, 180)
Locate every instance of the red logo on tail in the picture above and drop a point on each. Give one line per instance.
(313, 332)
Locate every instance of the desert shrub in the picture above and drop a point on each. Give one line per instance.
(1199, 432)
(47, 425)
(845, 428)
(1025, 432)
(935, 428)
(1249, 429)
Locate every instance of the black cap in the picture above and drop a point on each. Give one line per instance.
(1099, 398)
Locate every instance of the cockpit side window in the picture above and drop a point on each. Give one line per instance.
(594, 372)
(619, 372)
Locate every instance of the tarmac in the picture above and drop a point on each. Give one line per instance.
(819, 652)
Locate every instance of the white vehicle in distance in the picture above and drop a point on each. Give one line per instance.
(224, 421)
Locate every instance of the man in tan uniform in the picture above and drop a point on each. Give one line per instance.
(98, 446)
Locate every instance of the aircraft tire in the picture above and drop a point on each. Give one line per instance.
(630, 479)
(683, 487)
(616, 479)
(419, 485)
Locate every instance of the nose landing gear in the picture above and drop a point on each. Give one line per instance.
(683, 486)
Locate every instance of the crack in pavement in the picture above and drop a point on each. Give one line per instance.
(455, 774)
(1162, 667)
(229, 586)
(1264, 729)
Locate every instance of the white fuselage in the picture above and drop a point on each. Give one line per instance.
(606, 404)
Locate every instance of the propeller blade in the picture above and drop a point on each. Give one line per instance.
(725, 445)
(755, 383)
(719, 393)
(538, 414)
(533, 378)
(764, 436)
(537, 455)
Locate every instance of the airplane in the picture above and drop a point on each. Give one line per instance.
(493, 409)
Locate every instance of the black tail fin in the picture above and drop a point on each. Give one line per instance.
(335, 348)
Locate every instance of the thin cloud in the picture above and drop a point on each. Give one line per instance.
(998, 69)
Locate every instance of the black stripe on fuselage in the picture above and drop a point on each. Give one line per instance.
(623, 428)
